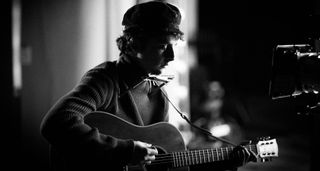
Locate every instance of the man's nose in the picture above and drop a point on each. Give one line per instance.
(169, 53)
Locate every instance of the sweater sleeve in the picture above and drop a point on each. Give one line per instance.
(64, 128)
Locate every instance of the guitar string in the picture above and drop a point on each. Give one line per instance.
(186, 155)
(180, 156)
(183, 159)
(195, 151)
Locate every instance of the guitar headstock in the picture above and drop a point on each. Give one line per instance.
(267, 149)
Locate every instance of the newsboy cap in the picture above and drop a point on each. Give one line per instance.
(152, 16)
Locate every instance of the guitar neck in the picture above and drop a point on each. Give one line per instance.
(195, 157)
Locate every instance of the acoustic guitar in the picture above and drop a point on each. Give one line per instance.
(173, 155)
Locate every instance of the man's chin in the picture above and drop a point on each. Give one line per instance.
(156, 72)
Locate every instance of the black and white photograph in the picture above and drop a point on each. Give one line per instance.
(160, 85)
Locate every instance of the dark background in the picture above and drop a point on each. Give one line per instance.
(236, 39)
(235, 45)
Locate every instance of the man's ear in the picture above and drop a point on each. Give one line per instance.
(132, 47)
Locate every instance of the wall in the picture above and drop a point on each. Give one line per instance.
(60, 41)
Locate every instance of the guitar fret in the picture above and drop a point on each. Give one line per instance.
(222, 153)
(192, 161)
(181, 160)
(186, 158)
(189, 158)
(227, 149)
(217, 154)
(178, 159)
(212, 155)
(195, 154)
(204, 156)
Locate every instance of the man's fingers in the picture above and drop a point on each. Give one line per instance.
(152, 151)
(149, 158)
(253, 157)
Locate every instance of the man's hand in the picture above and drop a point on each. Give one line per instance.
(143, 153)
(241, 156)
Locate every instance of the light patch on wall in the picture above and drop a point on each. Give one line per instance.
(16, 42)
(93, 44)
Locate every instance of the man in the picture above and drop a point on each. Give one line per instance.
(121, 88)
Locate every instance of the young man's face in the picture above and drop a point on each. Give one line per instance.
(156, 53)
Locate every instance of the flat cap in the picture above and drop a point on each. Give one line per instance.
(152, 16)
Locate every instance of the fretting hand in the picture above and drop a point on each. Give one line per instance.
(241, 156)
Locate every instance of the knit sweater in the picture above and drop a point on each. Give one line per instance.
(109, 87)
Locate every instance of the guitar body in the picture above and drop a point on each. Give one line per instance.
(164, 136)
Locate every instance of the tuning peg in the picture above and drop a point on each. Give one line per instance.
(265, 138)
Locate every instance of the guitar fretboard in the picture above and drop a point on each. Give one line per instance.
(194, 157)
